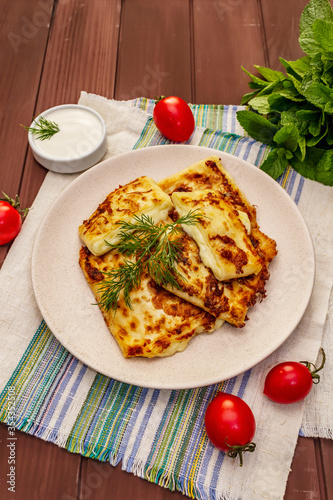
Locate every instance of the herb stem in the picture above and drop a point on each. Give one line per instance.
(44, 129)
(154, 252)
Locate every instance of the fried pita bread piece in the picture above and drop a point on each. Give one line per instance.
(228, 300)
(210, 174)
(221, 234)
(141, 196)
(159, 323)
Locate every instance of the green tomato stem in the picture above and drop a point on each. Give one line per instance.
(239, 450)
(313, 369)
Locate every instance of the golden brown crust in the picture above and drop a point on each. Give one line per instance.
(139, 196)
(159, 323)
(162, 321)
(241, 293)
(221, 234)
(227, 300)
(208, 174)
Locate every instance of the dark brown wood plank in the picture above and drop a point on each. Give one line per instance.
(158, 54)
(228, 34)
(23, 37)
(308, 478)
(303, 481)
(281, 30)
(326, 451)
(42, 470)
(154, 50)
(81, 55)
(99, 479)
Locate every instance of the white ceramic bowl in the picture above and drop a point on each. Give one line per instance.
(79, 144)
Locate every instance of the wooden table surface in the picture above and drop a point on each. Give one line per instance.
(122, 49)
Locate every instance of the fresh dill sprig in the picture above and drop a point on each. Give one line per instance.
(153, 249)
(44, 129)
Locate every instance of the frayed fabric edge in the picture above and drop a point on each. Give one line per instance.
(68, 442)
(110, 102)
(153, 474)
(310, 431)
(169, 480)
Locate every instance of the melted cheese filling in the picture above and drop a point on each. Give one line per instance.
(157, 213)
(158, 323)
(141, 196)
(162, 322)
(222, 234)
(228, 301)
(244, 218)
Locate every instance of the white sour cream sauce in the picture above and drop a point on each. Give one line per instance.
(79, 133)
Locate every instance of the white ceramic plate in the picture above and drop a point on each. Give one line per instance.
(66, 301)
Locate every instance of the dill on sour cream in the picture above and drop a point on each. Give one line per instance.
(79, 132)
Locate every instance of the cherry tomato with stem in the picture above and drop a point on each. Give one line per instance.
(290, 381)
(10, 219)
(230, 425)
(174, 118)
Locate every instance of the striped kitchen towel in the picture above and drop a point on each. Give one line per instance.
(157, 434)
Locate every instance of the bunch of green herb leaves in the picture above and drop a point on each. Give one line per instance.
(152, 248)
(293, 112)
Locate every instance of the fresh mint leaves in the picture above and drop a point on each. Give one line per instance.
(292, 112)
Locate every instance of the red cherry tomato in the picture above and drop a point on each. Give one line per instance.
(289, 382)
(174, 119)
(10, 222)
(230, 424)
